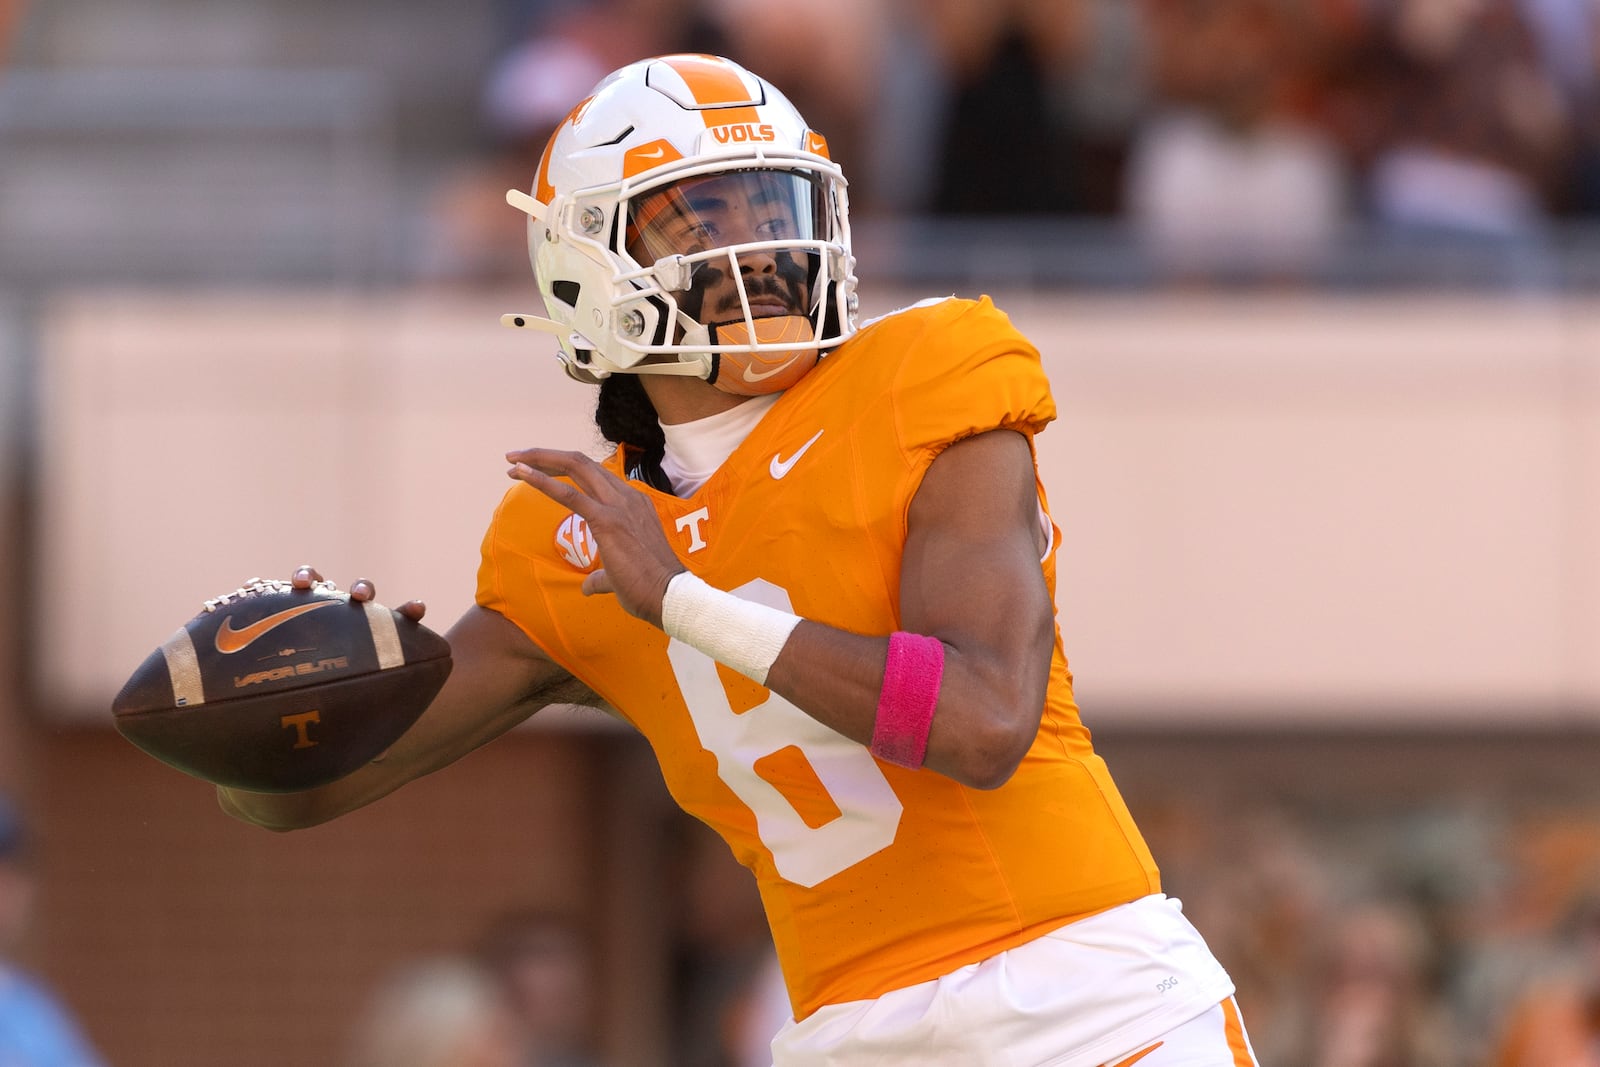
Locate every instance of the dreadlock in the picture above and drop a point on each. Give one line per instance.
(625, 416)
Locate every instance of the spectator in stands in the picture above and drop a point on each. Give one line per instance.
(1567, 33)
(10, 19)
(529, 89)
(1476, 135)
(1227, 179)
(543, 962)
(987, 109)
(526, 93)
(828, 61)
(36, 1030)
(435, 1013)
(722, 950)
(1556, 1021)
(754, 1014)
(1377, 1004)
(1269, 947)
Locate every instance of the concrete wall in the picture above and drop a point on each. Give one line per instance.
(1311, 549)
(1276, 511)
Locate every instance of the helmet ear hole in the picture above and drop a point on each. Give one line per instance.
(566, 291)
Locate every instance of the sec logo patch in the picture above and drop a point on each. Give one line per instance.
(576, 543)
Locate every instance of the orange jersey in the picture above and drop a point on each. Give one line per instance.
(874, 877)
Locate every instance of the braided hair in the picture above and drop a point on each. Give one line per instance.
(626, 417)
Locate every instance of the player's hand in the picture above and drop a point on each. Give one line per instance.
(638, 560)
(361, 590)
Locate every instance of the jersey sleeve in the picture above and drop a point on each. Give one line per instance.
(518, 574)
(970, 371)
(491, 592)
(531, 573)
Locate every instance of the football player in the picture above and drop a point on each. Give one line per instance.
(817, 572)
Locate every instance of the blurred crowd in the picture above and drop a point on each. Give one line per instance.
(1458, 932)
(524, 996)
(1250, 133)
(1462, 936)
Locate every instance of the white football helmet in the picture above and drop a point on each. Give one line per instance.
(686, 220)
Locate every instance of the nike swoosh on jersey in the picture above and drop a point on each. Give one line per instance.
(230, 640)
(781, 466)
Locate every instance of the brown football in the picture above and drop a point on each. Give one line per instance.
(275, 689)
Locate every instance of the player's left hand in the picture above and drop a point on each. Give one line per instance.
(361, 590)
(638, 561)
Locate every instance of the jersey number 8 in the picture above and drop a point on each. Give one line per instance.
(869, 811)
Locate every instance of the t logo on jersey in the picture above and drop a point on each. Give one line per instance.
(691, 522)
(576, 543)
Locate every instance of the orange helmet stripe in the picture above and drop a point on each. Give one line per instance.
(717, 88)
(543, 191)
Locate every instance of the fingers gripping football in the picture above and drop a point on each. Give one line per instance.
(283, 686)
(638, 560)
(307, 577)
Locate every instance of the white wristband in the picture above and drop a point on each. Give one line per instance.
(735, 632)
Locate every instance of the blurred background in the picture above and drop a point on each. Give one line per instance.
(1318, 286)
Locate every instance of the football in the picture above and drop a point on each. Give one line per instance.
(274, 689)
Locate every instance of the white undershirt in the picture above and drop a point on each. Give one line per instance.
(696, 449)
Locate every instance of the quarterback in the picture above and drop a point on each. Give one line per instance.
(817, 573)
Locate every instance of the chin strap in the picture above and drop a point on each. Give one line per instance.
(759, 373)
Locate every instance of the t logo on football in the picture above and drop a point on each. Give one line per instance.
(299, 723)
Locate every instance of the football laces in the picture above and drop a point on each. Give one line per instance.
(262, 586)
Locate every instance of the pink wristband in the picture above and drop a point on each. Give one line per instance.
(910, 692)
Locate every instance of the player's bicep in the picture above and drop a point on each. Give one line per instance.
(971, 577)
(974, 539)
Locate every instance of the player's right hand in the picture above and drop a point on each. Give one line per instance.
(636, 560)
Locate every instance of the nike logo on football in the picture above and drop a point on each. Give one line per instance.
(652, 154)
(781, 466)
(230, 640)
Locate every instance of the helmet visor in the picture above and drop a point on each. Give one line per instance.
(748, 207)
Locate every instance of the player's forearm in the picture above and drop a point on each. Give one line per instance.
(413, 756)
(499, 680)
(430, 745)
(965, 702)
(984, 720)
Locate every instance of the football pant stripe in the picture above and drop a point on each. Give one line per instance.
(1238, 1043)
